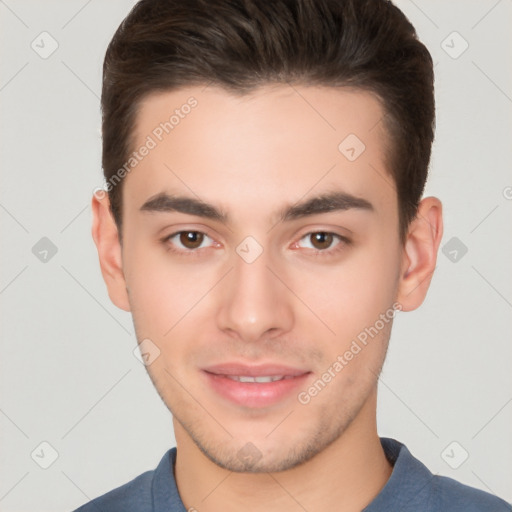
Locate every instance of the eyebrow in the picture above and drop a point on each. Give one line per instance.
(324, 203)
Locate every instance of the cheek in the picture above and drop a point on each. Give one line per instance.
(160, 292)
(351, 295)
(372, 272)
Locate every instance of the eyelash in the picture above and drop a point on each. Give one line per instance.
(342, 243)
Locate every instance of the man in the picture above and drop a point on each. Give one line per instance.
(265, 163)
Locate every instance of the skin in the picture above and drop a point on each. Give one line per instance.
(299, 303)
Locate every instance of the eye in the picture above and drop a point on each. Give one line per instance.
(188, 240)
(322, 241)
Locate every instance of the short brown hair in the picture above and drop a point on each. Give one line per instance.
(239, 45)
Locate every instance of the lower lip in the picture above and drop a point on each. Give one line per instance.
(254, 394)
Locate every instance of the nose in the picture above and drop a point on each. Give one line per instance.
(254, 302)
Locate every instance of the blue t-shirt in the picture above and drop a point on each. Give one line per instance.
(411, 488)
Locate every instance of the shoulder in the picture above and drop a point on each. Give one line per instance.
(412, 487)
(134, 495)
(450, 495)
(152, 490)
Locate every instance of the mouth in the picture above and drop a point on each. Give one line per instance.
(254, 386)
(263, 378)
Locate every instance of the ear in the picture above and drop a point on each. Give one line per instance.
(420, 253)
(106, 238)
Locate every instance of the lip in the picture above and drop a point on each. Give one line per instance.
(254, 394)
(255, 370)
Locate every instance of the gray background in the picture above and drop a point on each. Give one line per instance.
(68, 373)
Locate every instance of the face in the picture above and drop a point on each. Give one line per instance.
(260, 238)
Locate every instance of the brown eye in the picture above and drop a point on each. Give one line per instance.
(191, 239)
(321, 240)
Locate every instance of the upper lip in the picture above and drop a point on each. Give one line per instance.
(238, 369)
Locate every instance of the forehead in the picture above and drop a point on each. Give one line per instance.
(278, 143)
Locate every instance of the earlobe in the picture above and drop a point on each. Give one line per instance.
(420, 254)
(106, 237)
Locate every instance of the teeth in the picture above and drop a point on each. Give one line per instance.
(243, 378)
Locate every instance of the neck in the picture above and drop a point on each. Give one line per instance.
(346, 476)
